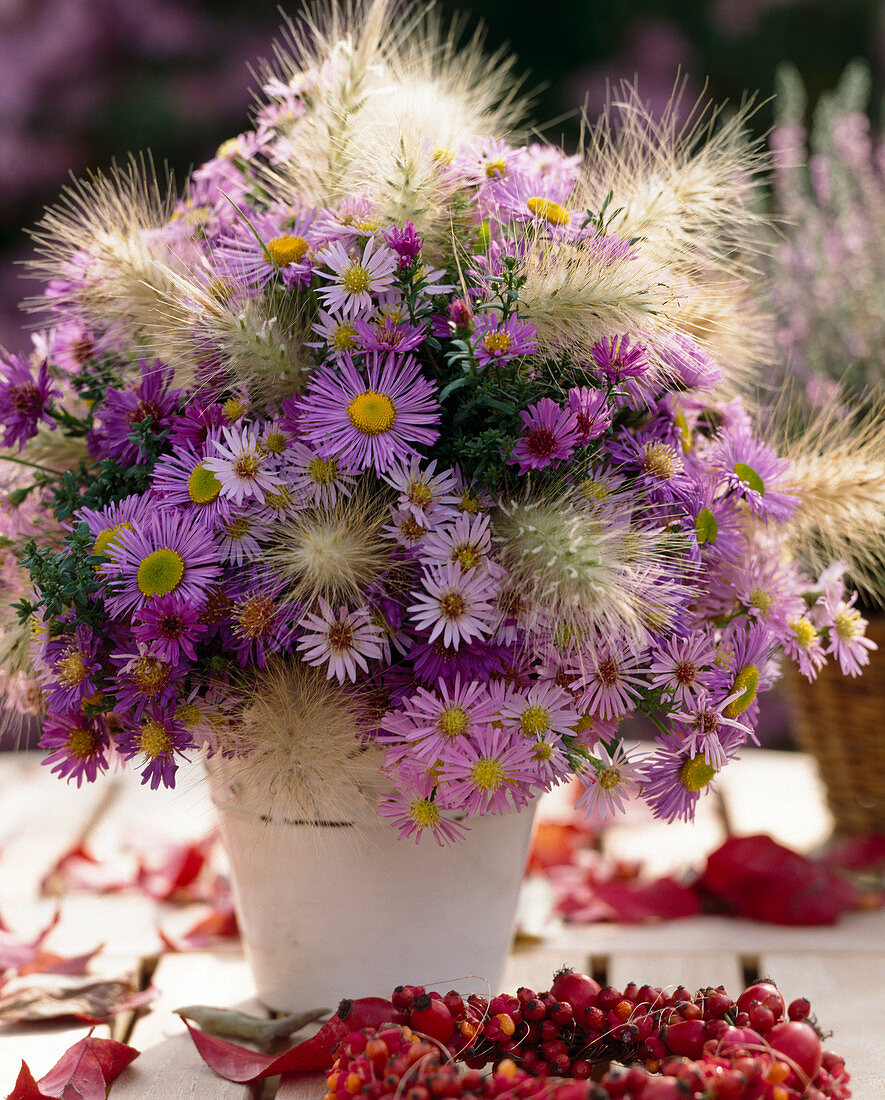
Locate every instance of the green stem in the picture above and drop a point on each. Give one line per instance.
(33, 465)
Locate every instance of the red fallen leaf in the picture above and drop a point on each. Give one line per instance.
(858, 853)
(554, 844)
(78, 869)
(47, 962)
(628, 902)
(761, 879)
(15, 954)
(176, 878)
(218, 924)
(83, 1072)
(237, 1063)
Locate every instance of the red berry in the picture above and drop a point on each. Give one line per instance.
(766, 993)
(800, 1009)
(594, 1018)
(685, 1037)
(578, 990)
(761, 1018)
(455, 1004)
(608, 997)
(560, 1064)
(799, 1044)
(549, 1031)
(431, 1016)
(533, 1011)
(561, 1013)
(716, 1005)
(581, 1069)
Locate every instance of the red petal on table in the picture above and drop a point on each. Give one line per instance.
(47, 962)
(15, 954)
(554, 844)
(628, 902)
(219, 924)
(26, 1088)
(761, 879)
(85, 1071)
(857, 853)
(78, 869)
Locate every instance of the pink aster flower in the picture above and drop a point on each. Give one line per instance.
(803, 643)
(848, 641)
(613, 684)
(550, 434)
(673, 779)
(283, 250)
(315, 480)
(618, 360)
(170, 552)
(705, 728)
(370, 422)
(354, 281)
(24, 400)
(466, 541)
(494, 772)
(681, 666)
(414, 809)
(241, 464)
(592, 413)
(539, 710)
(497, 341)
(75, 667)
(170, 628)
(422, 490)
(79, 746)
(345, 640)
(609, 782)
(432, 723)
(754, 472)
(182, 478)
(238, 536)
(454, 606)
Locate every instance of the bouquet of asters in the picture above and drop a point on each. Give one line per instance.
(393, 447)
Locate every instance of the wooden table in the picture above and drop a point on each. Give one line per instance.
(841, 969)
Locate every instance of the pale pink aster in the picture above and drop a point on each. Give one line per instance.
(315, 480)
(803, 643)
(453, 606)
(238, 536)
(466, 541)
(847, 639)
(415, 809)
(540, 709)
(421, 489)
(549, 435)
(610, 780)
(705, 728)
(614, 684)
(343, 640)
(354, 281)
(494, 772)
(370, 422)
(337, 333)
(404, 528)
(431, 723)
(681, 666)
(241, 464)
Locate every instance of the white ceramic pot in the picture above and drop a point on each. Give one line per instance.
(333, 911)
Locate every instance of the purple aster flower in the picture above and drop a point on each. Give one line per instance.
(373, 422)
(24, 400)
(458, 321)
(755, 473)
(107, 523)
(705, 728)
(592, 413)
(345, 640)
(847, 641)
(79, 746)
(355, 281)
(493, 772)
(239, 536)
(151, 401)
(658, 466)
(142, 680)
(540, 710)
(673, 779)
(170, 628)
(169, 552)
(405, 242)
(465, 540)
(455, 606)
(524, 194)
(75, 668)
(681, 667)
(159, 736)
(284, 249)
(413, 809)
(183, 479)
(803, 643)
(193, 426)
(550, 434)
(431, 723)
(744, 666)
(690, 365)
(496, 341)
(422, 491)
(260, 622)
(315, 481)
(618, 360)
(388, 334)
(614, 684)
(338, 335)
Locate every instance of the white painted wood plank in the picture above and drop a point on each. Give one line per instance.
(693, 969)
(169, 1064)
(534, 967)
(779, 793)
(847, 994)
(868, 1087)
(309, 1086)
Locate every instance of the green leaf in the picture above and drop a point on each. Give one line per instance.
(705, 526)
(455, 384)
(748, 474)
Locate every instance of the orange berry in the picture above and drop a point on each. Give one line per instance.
(777, 1072)
(353, 1084)
(623, 1010)
(506, 1023)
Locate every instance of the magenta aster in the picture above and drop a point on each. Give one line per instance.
(79, 746)
(170, 627)
(24, 400)
(371, 422)
(170, 552)
(754, 472)
(151, 403)
(549, 435)
(493, 773)
(414, 809)
(592, 413)
(159, 736)
(618, 360)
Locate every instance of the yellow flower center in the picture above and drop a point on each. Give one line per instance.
(452, 722)
(238, 528)
(543, 750)
(357, 279)
(696, 773)
(468, 503)
(411, 529)
(189, 713)
(107, 538)
(487, 774)
(247, 466)
(234, 408)
(609, 778)
(322, 470)
(345, 337)
(497, 341)
(149, 675)
(659, 461)
(499, 168)
(160, 572)
(275, 443)
(255, 617)
(746, 682)
(420, 493)
(286, 250)
(372, 413)
(548, 210)
(443, 156)
(534, 720)
(760, 599)
(203, 486)
(803, 631)
(154, 739)
(452, 604)
(71, 668)
(847, 624)
(424, 813)
(468, 555)
(81, 742)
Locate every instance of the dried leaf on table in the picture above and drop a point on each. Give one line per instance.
(182, 876)
(93, 1002)
(84, 1072)
(14, 953)
(218, 924)
(79, 869)
(254, 1029)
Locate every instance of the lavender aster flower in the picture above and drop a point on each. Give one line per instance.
(24, 400)
(159, 736)
(355, 281)
(152, 401)
(496, 341)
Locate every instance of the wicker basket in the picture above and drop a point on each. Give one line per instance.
(840, 720)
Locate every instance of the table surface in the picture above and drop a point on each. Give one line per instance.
(841, 969)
